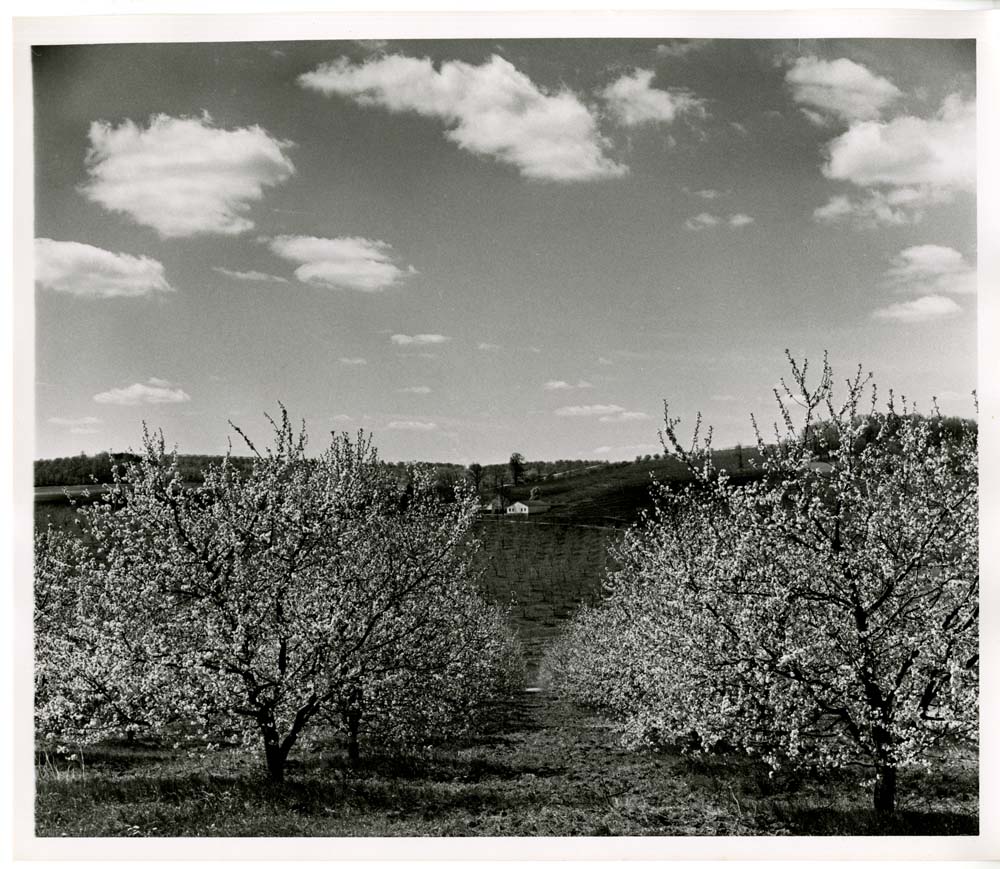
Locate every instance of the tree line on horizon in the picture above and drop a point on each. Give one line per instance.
(84, 469)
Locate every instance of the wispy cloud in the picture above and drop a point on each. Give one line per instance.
(840, 89)
(701, 221)
(706, 221)
(706, 193)
(183, 176)
(632, 100)
(346, 263)
(556, 385)
(412, 425)
(678, 48)
(416, 390)
(78, 425)
(491, 110)
(487, 347)
(903, 206)
(94, 273)
(251, 276)
(424, 338)
(646, 448)
(352, 360)
(919, 310)
(153, 391)
(624, 416)
(589, 410)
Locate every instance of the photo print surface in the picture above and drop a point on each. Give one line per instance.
(506, 437)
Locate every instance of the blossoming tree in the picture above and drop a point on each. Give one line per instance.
(825, 614)
(254, 605)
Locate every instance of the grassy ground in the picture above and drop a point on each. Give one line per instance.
(546, 770)
(544, 572)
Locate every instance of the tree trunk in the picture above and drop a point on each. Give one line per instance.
(885, 790)
(275, 755)
(353, 728)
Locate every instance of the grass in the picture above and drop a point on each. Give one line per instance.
(615, 495)
(546, 769)
(543, 571)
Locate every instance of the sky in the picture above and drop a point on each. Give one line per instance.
(470, 248)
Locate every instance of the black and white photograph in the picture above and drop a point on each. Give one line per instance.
(512, 436)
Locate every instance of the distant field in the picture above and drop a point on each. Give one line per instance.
(616, 495)
(58, 494)
(544, 571)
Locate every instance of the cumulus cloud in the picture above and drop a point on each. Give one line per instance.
(407, 340)
(491, 110)
(251, 276)
(738, 220)
(840, 88)
(94, 273)
(624, 416)
(906, 165)
(412, 425)
(919, 310)
(416, 390)
(345, 263)
(352, 360)
(938, 152)
(632, 101)
(183, 176)
(589, 410)
(931, 269)
(153, 391)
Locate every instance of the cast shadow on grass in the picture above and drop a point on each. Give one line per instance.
(824, 821)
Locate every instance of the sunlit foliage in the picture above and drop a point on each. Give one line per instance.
(258, 603)
(824, 614)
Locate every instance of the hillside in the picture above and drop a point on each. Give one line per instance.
(600, 494)
(614, 495)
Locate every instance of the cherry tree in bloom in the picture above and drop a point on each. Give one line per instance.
(306, 591)
(825, 614)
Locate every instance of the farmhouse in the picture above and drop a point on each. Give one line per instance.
(523, 508)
